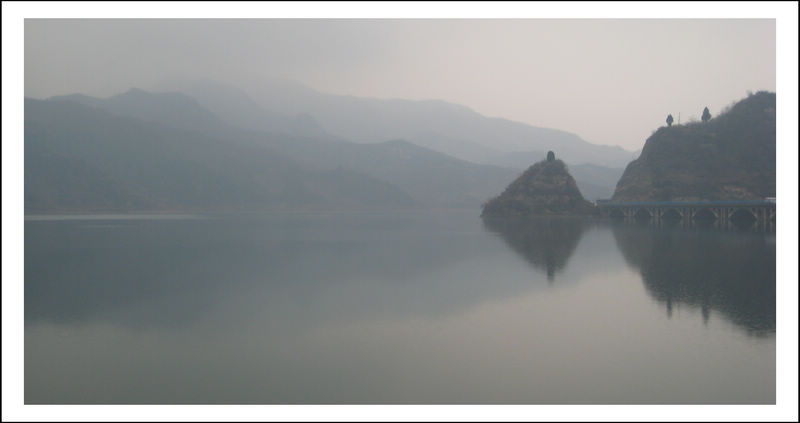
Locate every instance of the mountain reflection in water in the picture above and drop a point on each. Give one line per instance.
(547, 242)
(729, 270)
(396, 308)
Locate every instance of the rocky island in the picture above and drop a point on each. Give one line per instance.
(545, 189)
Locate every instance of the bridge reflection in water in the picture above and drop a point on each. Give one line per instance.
(762, 211)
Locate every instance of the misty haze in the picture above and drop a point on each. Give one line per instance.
(270, 211)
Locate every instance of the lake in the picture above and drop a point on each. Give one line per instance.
(396, 308)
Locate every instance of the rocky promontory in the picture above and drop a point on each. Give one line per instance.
(730, 157)
(546, 188)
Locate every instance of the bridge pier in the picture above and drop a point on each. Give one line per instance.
(723, 211)
(722, 215)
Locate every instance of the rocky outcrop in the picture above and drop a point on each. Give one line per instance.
(731, 157)
(546, 188)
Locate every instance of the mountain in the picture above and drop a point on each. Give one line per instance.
(80, 158)
(237, 108)
(175, 109)
(546, 188)
(730, 157)
(449, 128)
(596, 182)
(431, 178)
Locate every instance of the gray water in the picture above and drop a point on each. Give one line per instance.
(396, 308)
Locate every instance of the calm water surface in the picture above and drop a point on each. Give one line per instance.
(396, 308)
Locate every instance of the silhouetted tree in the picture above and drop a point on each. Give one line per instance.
(551, 156)
(706, 115)
(669, 120)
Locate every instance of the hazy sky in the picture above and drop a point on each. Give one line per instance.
(609, 81)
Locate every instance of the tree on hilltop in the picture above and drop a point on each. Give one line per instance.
(551, 156)
(706, 115)
(669, 120)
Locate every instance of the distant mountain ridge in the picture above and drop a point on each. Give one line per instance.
(596, 177)
(237, 108)
(730, 157)
(428, 176)
(416, 176)
(173, 109)
(80, 158)
(449, 128)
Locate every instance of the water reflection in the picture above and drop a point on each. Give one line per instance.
(400, 308)
(728, 269)
(740, 222)
(302, 269)
(546, 242)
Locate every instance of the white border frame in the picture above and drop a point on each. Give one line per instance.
(14, 14)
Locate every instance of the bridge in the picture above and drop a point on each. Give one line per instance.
(723, 211)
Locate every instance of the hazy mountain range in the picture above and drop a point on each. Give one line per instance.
(452, 129)
(289, 107)
(81, 158)
(214, 147)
